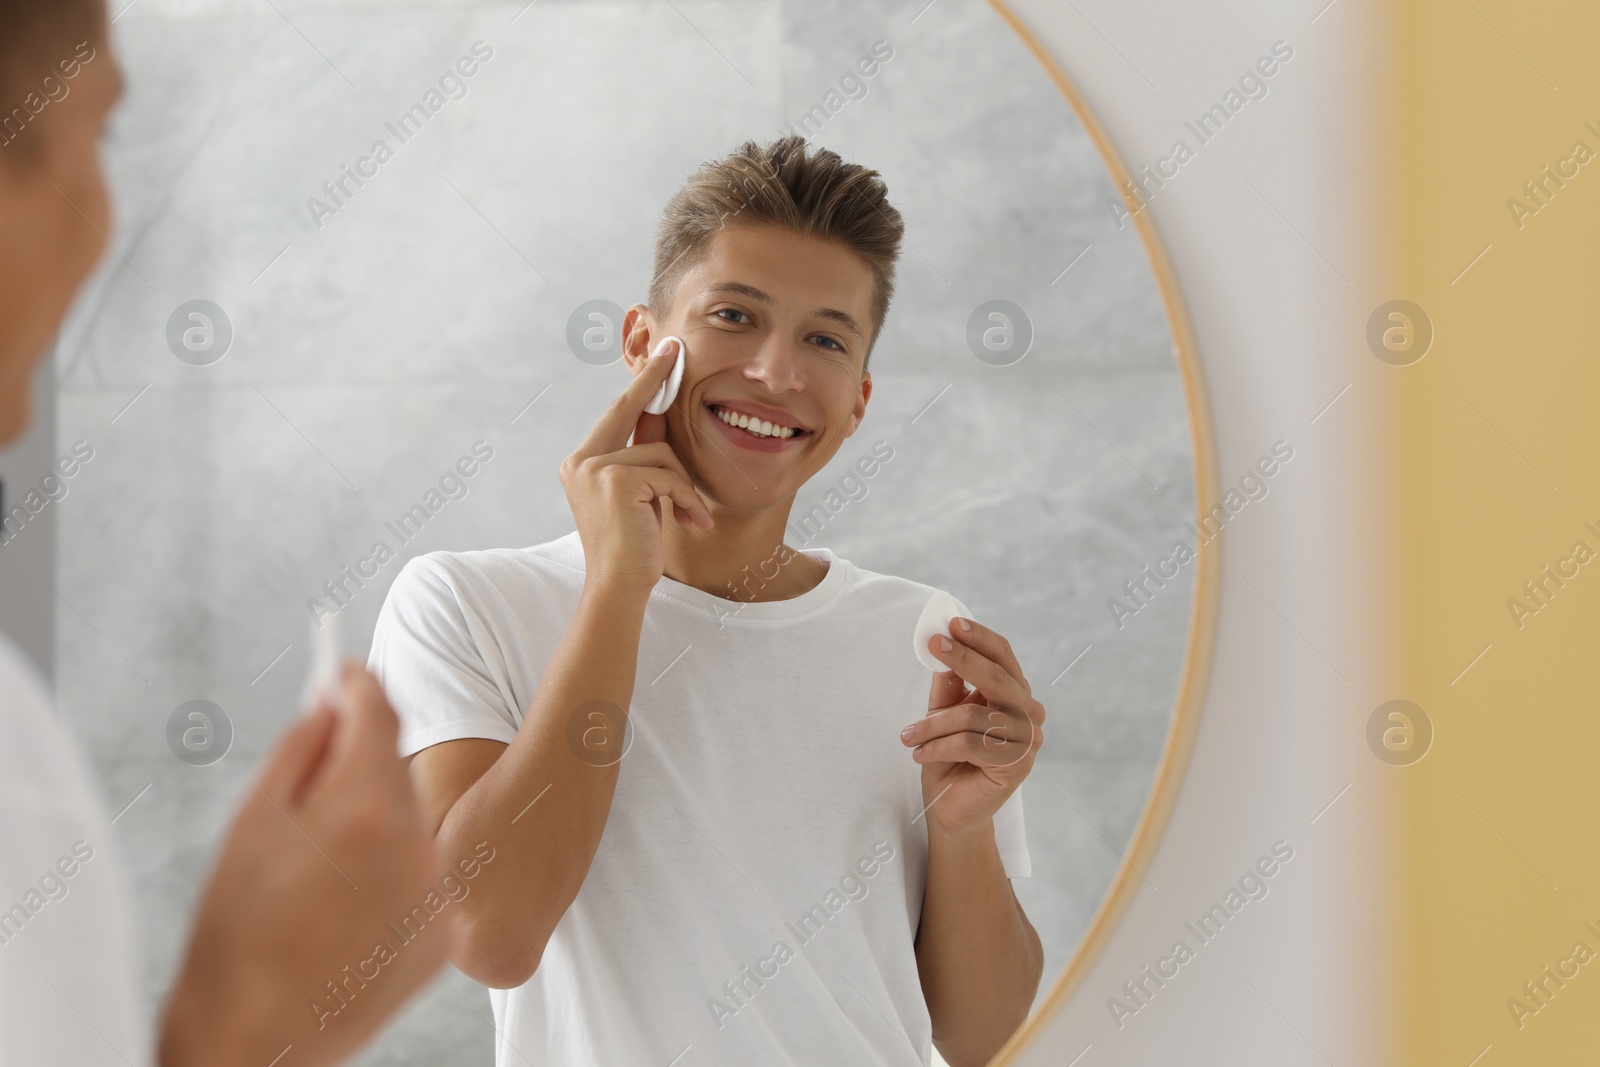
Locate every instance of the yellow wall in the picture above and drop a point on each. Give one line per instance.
(1508, 800)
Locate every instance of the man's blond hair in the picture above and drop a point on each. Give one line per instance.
(813, 193)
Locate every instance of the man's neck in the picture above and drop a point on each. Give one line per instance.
(743, 558)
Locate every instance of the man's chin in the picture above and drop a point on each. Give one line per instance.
(743, 500)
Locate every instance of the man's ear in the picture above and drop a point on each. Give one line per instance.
(860, 411)
(637, 329)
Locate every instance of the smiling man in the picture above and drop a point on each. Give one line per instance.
(740, 817)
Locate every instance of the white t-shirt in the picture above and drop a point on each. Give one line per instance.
(757, 889)
(68, 989)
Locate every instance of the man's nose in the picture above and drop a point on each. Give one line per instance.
(777, 364)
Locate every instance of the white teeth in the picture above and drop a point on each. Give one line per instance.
(758, 427)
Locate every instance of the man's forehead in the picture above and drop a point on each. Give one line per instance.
(769, 260)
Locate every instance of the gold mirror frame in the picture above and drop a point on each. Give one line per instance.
(1179, 744)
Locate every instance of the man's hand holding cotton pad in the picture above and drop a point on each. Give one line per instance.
(940, 610)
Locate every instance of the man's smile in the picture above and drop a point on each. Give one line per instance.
(755, 426)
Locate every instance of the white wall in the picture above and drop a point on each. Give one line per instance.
(1273, 231)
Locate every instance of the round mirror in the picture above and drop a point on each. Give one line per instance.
(371, 267)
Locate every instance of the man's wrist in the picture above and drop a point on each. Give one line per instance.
(197, 1029)
(614, 594)
(972, 837)
(183, 1041)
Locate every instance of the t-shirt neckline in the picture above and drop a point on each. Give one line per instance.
(731, 608)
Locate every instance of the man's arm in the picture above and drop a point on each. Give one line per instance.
(565, 754)
(978, 956)
(541, 806)
(327, 845)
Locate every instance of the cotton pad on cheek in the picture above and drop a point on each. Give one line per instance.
(669, 389)
(936, 616)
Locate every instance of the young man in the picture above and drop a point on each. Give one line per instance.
(281, 916)
(718, 843)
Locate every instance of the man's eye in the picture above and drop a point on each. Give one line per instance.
(837, 346)
(729, 311)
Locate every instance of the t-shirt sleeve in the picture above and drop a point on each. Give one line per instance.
(1011, 839)
(427, 651)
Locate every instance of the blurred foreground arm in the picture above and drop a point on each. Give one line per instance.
(282, 966)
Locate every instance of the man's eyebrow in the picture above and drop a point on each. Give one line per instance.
(739, 289)
(843, 318)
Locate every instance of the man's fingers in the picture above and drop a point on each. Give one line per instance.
(978, 719)
(622, 417)
(299, 752)
(650, 453)
(992, 645)
(650, 428)
(660, 455)
(684, 516)
(979, 669)
(661, 482)
(947, 689)
(365, 739)
(983, 750)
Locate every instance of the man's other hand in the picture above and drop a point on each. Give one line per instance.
(327, 908)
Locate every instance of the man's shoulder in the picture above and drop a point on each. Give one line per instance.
(471, 574)
(42, 759)
(885, 591)
(562, 554)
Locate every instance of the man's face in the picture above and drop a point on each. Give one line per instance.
(53, 210)
(777, 325)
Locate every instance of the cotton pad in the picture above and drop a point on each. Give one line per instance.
(323, 678)
(669, 389)
(936, 617)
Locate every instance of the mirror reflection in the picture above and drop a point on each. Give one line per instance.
(372, 360)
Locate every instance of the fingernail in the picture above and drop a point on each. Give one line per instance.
(966, 626)
(945, 644)
(905, 735)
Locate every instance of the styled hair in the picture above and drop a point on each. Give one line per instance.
(813, 193)
(35, 35)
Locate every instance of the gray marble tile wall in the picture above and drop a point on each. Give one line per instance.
(372, 346)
